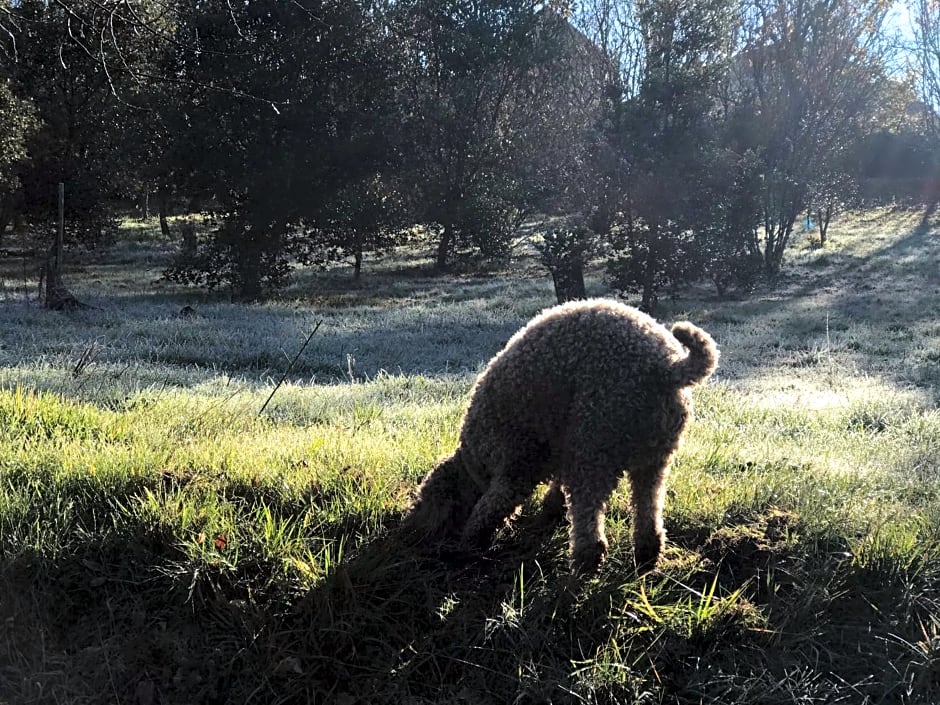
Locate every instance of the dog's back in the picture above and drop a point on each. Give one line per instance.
(599, 345)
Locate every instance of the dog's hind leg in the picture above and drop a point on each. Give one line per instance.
(553, 503)
(648, 492)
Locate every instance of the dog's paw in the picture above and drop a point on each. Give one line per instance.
(646, 553)
(587, 561)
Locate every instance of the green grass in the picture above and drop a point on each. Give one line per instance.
(161, 541)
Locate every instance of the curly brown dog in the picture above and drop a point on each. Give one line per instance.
(585, 392)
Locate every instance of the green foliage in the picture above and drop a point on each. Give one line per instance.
(474, 72)
(289, 112)
(647, 260)
(486, 219)
(62, 67)
(17, 122)
(365, 216)
(666, 134)
(728, 215)
(810, 79)
(564, 251)
(236, 256)
(566, 242)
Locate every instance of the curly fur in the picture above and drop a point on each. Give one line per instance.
(585, 392)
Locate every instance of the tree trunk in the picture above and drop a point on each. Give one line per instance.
(357, 265)
(568, 278)
(258, 249)
(188, 229)
(720, 287)
(55, 295)
(777, 238)
(770, 268)
(249, 266)
(249, 278)
(357, 255)
(823, 216)
(648, 303)
(4, 218)
(444, 247)
(163, 205)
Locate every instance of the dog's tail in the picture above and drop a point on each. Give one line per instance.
(702, 358)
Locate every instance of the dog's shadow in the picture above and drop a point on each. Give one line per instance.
(401, 619)
(393, 621)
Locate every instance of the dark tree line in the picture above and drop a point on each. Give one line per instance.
(680, 139)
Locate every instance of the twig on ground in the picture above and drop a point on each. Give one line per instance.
(290, 367)
(87, 357)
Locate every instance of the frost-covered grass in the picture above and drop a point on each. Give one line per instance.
(162, 541)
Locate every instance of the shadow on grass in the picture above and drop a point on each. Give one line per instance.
(129, 619)
(875, 311)
(126, 616)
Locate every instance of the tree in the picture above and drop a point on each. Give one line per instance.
(808, 72)
(834, 188)
(925, 24)
(291, 105)
(613, 26)
(17, 123)
(96, 71)
(898, 155)
(728, 208)
(665, 136)
(366, 216)
(266, 113)
(79, 85)
(471, 69)
(564, 251)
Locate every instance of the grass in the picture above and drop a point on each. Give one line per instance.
(163, 542)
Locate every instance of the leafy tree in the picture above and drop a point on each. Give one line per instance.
(471, 69)
(664, 136)
(366, 216)
(808, 72)
(897, 157)
(728, 205)
(925, 24)
(832, 189)
(564, 251)
(17, 123)
(266, 113)
(78, 83)
(290, 108)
